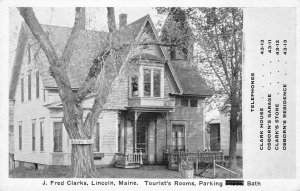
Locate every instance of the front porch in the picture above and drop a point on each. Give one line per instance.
(144, 135)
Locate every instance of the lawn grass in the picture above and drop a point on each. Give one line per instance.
(158, 172)
(143, 172)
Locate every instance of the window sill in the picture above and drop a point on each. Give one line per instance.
(146, 101)
(58, 153)
(147, 98)
(98, 155)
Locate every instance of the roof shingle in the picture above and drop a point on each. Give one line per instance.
(190, 80)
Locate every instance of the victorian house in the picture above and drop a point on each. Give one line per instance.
(155, 109)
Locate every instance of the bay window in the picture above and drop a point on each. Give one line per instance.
(156, 83)
(147, 82)
(152, 82)
(147, 87)
(134, 86)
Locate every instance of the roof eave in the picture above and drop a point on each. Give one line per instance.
(23, 36)
(191, 95)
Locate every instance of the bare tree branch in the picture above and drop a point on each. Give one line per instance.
(99, 69)
(79, 24)
(92, 76)
(220, 54)
(37, 31)
(218, 76)
(57, 66)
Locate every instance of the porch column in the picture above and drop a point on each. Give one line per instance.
(167, 125)
(125, 132)
(155, 138)
(134, 130)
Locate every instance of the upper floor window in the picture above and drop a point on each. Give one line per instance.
(22, 90)
(134, 86)
(29, 86)
(189, 103)
(147, 82)
(172, 53)
(152, 83)
(185, 102)
(156, 83)
(194, 103)
(37, 84)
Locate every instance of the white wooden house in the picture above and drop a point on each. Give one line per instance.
(156, 109)
(219, 135)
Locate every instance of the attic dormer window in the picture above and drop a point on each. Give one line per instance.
(172, 53)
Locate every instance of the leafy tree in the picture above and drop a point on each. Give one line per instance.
(218, 41)
(99, 74)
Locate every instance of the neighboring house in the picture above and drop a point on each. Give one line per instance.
(159, 107)
(219, 135)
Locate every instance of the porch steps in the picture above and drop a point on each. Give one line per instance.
(128, 166)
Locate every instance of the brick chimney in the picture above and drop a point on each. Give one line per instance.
(122, 20)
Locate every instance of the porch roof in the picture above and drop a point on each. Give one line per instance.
(150, 108)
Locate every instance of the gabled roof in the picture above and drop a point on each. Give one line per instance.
(87, 47)
(189, 78)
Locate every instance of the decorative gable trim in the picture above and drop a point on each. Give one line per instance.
(173, 74)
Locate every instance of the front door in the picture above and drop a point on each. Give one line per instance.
(141, 142)
(215, 137)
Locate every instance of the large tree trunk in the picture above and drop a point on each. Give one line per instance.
(233, 139)
(77, 128)
(82, 157)
(233, 131)
(83, 161)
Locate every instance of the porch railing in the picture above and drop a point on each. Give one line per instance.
(126, 159)
(135, 157)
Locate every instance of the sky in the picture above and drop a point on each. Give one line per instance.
(95, 17)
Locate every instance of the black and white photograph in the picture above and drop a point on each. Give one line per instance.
(136, 100)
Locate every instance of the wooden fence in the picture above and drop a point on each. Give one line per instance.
(175, 158)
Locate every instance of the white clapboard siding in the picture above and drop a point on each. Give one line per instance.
(26, 112)
(108, 131)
